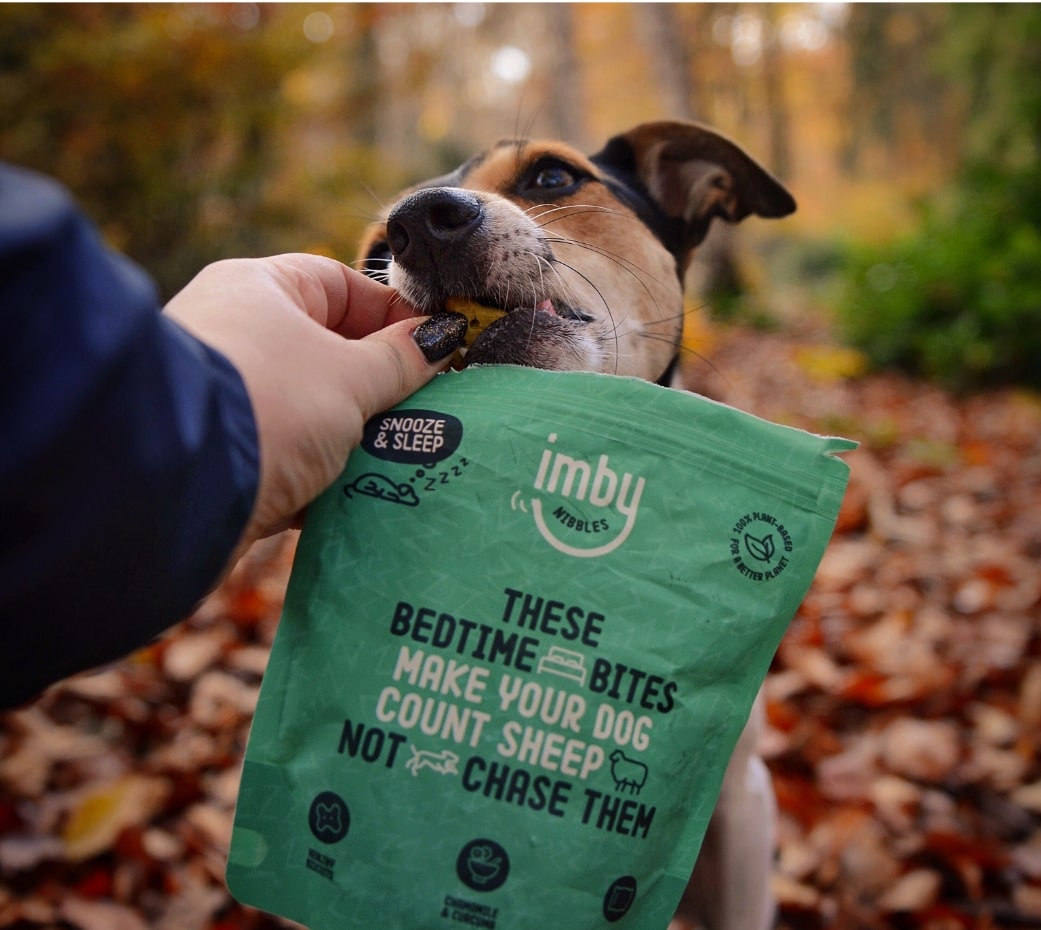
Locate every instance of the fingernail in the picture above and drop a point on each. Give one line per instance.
(441, 335)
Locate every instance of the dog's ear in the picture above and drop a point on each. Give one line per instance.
(694, 174)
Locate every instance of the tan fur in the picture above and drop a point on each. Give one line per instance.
(627, 282)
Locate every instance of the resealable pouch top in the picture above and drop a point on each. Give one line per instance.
(523, 632)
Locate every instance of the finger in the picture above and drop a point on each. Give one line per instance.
(369, 306)
(388, 365)
(341, 299)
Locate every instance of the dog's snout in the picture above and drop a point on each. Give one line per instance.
(452, 213)
(433, 219)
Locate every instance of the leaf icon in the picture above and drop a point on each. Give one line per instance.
(761, 549)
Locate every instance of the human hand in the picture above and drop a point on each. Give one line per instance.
(321, 348)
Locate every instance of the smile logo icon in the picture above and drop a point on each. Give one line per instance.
(329, 818)
(584, 509)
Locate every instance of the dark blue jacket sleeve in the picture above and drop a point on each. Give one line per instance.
(128, 449)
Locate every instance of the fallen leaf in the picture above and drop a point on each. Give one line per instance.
(914, 891)
(40, 743)
(904, 704)
(188, 655)
(100, 915)
(792, 894)
(101, 812)
(1028, 796)
(830, 362)
(897, 802)
(219, 699)
(850, 775)
(1026, 857)
(927, 750)
(1027, 899)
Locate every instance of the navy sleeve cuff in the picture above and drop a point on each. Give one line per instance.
(130, 456)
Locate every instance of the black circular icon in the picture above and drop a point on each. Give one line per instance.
(482, 865)
(619, 898)
(329, 817)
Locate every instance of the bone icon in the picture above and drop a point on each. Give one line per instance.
(630, 775)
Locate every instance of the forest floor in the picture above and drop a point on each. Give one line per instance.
(904, 703)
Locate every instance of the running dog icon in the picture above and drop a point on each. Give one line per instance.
(445, 762)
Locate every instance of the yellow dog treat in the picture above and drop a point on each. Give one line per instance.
(478, 316)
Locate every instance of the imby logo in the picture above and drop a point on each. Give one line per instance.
(601, 491)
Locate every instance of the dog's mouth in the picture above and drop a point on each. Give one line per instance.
(494, 334)
(482, 311)
(480, 314)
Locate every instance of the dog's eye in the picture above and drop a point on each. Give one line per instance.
(549, 178)
(553, 178)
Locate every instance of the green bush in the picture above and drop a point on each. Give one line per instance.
(958, 301)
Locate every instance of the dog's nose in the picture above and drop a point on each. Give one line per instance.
(428, 221)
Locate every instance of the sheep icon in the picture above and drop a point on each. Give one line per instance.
(629, 774)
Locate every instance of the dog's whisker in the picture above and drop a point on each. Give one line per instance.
(538, 210)
(687, 310)
(634, 270)
(566, 212)
(608, 253)
(567, 292)
(614, 330)
(618, 259)
(686, 350)
(546, 208)
(381, 275)
(542, 277)
(370, 266)
(397, 298)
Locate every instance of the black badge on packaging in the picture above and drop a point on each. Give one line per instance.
(412, 437)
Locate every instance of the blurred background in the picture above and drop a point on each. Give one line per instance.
(907, 132)
(901, 306)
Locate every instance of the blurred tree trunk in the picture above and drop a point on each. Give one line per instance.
(366, 81)
(899, 105)
(566, 106)
(669, 38)
(776, 105)
(668, 49)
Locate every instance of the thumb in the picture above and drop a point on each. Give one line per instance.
(394, 362)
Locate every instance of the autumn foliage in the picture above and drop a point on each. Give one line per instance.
(905, 702)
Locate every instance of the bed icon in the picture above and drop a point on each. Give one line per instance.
(565, 663)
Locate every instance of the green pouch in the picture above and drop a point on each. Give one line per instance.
(523, 632)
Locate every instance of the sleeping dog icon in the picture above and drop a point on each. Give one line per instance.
(372, 484)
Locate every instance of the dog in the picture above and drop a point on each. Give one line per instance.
(588, 256)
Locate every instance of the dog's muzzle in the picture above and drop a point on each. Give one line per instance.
(434, 237)
(431, 224)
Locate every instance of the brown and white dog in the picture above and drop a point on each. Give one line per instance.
(588, 256)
